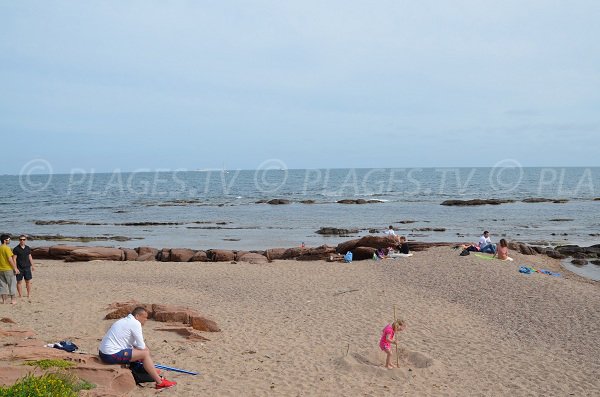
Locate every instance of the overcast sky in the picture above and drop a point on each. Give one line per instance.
(105, 85)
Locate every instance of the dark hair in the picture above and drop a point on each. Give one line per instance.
(486, 232)
(503, 243)
(138, 310)
(22, 236)
(4, 237)
(390, 227)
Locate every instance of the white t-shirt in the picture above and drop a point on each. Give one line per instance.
(125, 333)
(483, 241)
(390, 232)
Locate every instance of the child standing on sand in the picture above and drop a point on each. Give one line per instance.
(388, 336)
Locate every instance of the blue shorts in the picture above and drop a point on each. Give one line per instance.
(24, 274)
(124, 356)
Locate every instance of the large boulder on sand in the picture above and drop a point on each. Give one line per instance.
(147, 257)
(130, 254)
(367, 241)
(252, 257)
(200, 256)
(181, 254)
(275, 253)
(95, 253)
(146, 250)
(362, 253)
(62, 251)
(221, 255)
(204, 324)
(41, 253)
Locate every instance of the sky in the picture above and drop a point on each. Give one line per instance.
(164, 85)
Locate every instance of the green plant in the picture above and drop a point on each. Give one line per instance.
(47, 385)
(46, 363)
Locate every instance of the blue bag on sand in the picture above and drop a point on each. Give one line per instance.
(66, 345)
(524, 270)
(348, 257)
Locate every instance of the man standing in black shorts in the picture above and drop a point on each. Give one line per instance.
(22, 255)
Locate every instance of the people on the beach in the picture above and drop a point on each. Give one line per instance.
(390, 231)
(402, 246)
(388, 336)
(502, 252)
(124, 343)
(24, 260)
(8, 271)
(485, 243)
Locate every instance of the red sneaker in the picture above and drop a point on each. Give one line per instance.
(165, 384)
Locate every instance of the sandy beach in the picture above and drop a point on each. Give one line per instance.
(476, 327)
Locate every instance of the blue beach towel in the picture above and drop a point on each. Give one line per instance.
(548, 272)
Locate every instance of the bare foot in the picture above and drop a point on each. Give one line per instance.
(13, 302)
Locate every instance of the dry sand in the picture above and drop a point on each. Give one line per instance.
(475, 327)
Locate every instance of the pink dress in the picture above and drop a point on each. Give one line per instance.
(383, 343)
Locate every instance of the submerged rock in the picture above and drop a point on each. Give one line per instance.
(336, 231)
(476, 202)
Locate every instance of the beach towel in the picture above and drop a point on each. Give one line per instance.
(548, 272)
(395, 255)
(483, 256)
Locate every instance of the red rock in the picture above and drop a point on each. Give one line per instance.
(251, 257)
(362, 253)
(204, 324)
(41, 253)
(147, 257)
(221, 255)
(275, 253)
(199, 256)
(146, 250)
(164, 255)
(110, 380)
(367, 241)
(181, 254)
(322, 252)
(130, 254)
(62, 251)
(95, 253)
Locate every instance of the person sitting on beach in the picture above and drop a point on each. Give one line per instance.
(124, 343)
(502, 252)
(388, 336)
(402, 247)
(485, 243)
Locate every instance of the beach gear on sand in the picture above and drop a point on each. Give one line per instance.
(348, 257)
(65, 345)
(483, 256)
(525, 270)
(183, 371)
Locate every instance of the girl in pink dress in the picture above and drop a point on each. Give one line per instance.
(388, 337)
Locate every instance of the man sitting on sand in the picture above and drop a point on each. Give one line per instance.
(124, 342)
(485, 243)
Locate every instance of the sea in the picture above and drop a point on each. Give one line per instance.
(228, 209)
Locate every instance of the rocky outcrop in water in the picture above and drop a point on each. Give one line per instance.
(358, 201)
(544, 200)
(336, 231)
(476, 202)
